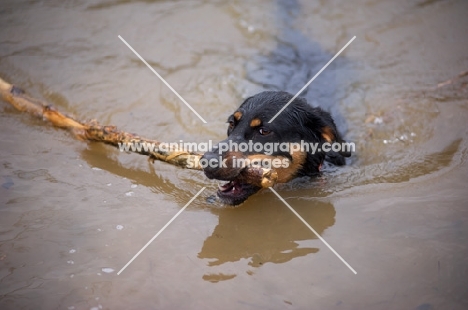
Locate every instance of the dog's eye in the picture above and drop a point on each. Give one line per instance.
(264, 131)
(231, 124)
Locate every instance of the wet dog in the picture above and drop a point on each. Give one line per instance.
(253, 139)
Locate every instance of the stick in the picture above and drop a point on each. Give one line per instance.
(92, 131)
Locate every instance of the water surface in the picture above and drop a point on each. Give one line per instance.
(72, 214)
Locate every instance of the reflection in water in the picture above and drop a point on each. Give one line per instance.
(254, 231)
(262, 231)
(100, 156)
(264, 234)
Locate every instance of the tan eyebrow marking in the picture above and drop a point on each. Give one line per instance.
(255, 122)
(238, 115)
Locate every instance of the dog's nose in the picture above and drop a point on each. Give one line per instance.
(210, 163)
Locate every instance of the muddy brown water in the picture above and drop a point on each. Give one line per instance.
(73, 214)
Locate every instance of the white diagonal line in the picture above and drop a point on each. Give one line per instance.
(313, 230)
(160, 231)
(163, 80)
(311, 80)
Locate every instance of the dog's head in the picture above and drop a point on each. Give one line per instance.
(252, 140)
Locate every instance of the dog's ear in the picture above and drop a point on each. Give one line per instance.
(329, 133)
(323, 126)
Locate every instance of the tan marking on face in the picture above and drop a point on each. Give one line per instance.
(238, 115)
(290, 172)
(285, 174)
(255, 122)
(327, 134)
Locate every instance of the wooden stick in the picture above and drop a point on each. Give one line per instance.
(111, 135)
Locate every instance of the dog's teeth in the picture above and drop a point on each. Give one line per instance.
(226, 186)
(223, 185)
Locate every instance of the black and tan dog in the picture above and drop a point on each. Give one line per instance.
(249, 124)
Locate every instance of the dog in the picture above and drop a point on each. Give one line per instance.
(249, 125)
